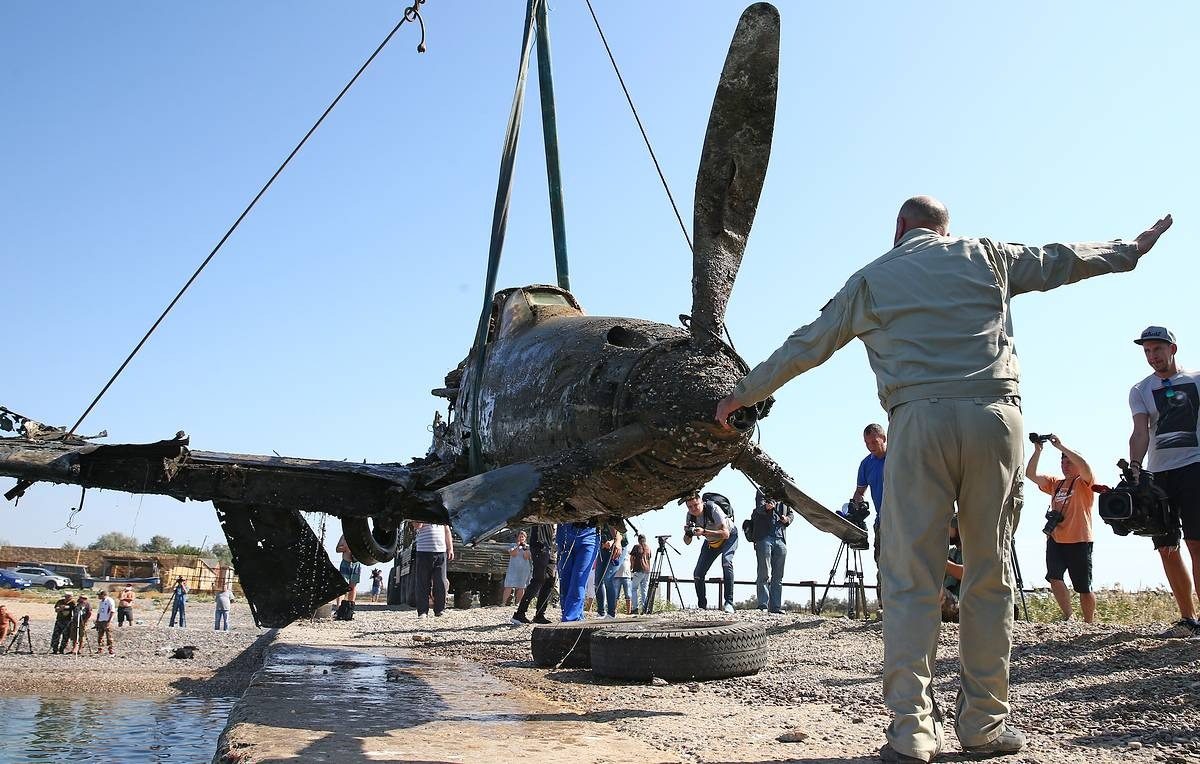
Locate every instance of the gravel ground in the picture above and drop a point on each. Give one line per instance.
(1100, 693)
(223, 664)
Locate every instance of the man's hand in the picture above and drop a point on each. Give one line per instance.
(1054, 441)
(1037, 446)
(450, 555)
(1147, 239)
(725, 408)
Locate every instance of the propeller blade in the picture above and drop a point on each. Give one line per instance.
(733, 165)
(481, 505)
(777, 484)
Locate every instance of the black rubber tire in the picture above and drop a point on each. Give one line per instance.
(462, 599)
(680, 650)
(51, 585)
(370, 541)
(572, 640)
(491, 594)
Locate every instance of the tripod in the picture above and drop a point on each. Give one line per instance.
(661, 555)
(16, 638)
(856, 591)
(1012, 547)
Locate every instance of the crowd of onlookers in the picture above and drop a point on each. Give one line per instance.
(77, 617)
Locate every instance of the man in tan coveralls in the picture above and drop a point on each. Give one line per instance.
(934, 316)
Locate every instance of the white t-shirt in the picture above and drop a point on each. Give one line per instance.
(431, 538)
(223, 599)
(1174, 420)
(105, 611)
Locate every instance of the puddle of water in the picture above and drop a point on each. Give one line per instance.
(107, 729)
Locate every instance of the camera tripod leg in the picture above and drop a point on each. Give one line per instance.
(1012, 547)
(832, 572)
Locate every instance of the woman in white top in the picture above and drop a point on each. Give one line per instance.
(519, 570)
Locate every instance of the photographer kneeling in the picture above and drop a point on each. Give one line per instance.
(1068, 526)
(708, 521)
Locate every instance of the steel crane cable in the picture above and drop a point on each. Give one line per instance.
(411, 13)
(646, 139)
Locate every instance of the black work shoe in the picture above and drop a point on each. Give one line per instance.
(1011, 740)
(539, 618)
(890, 755)
(519, 618)
(1184, 628)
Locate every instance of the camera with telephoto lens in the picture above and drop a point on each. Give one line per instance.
(1137, 505)
(1034, 438)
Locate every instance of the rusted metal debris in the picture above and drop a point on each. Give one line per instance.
(581, 417)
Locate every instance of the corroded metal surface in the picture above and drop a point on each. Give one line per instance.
(733, 164)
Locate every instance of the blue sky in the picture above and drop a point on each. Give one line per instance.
(136, 132)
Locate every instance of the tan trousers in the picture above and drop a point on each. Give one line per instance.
(941, 452)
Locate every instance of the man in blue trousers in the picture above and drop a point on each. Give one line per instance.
(578, 544)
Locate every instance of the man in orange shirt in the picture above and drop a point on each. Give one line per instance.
(1069, 540)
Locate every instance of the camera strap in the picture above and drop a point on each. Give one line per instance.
(1067, 498)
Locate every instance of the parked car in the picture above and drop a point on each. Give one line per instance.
(41, 577)
(77, 573)
(10, 580)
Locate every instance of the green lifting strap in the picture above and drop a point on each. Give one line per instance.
(508, 158)
(550, 138)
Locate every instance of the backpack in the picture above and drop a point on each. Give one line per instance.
(748, 529)
(345, 611)
(721, 502)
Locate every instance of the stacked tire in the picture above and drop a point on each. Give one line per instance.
(568, 644)
(679, 650)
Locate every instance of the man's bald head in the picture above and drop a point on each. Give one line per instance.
(922, 212)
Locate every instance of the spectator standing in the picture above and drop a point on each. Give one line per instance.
(520, 569)
(106, 610)
(1166, 433)
(952, 581)
(1069, 540)
(125, 607)
(79, 624)
(639, 566)
(544, 556)
(435, 546)
(606, 567)
(350, 569)
(224, 600)
(620, 583)
(934, 313)
(719, 538)
(376, 584)
(870, 474)
(769, 523)
(179, 603)
(64, 614)
(7, 624)
(577, 547)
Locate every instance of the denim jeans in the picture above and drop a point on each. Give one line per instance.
(707, 557)
(771, 552)
(577, 547)
(613, 586)
(179, 609)
(605, 572)
(221, 620)
(641, 585)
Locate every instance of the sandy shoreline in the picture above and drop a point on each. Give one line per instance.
(223, 665)
(1097, 693)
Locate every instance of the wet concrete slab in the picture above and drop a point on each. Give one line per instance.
(380, 704)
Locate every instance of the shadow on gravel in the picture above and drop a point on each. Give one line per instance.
(796, 626)
(421, 627)
(234, 676)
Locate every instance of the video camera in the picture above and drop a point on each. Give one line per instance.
(1034, 438)
(856, 512)
(1137, 506)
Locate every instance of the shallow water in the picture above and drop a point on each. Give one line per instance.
(104, 729)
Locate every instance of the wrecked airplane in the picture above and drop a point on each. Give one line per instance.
(554, 416)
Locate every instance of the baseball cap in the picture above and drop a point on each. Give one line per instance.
(1160, 333)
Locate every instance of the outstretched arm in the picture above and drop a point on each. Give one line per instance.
(1085, 470)
(1031, 469)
